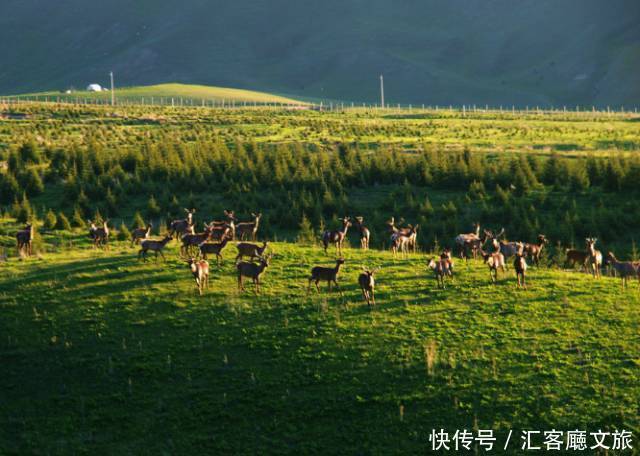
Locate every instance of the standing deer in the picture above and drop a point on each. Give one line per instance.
(495, 261)
(140, 233)
(190, 240)
(319, 273)
(250, 250)
(520, 265)
(183, 226)
(24, 240)
(409, 231)
(466, 242)
(442, 267)
(365, 234)
(200, 271)
(595, 257)
(253, 271)
(220, 232)
(508, 249)
(402, 241)
(249, 229)
(99, 235)
(336, 237)
(576, 256)
(156, 246)
(535, 250)
(214, 248)
(230, 222)
(367, 285)
(624, 269)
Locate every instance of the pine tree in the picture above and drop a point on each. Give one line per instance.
(137, 222)
(305, 232)
(123, 233)
(77, 220)
(50, 220)
(63, 222)
(153, 210)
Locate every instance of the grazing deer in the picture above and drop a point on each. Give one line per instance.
(99, 235)
(24, 240)
(535, 250)
(251, 250)
(495, 261)
(319, 273)
(230, 222)
(214, 248)
(184, 226)
(246, 229)
(365, 234)
(576, 256)
(520, 265)
(467, 241)
(154, 245)
(200, 271)
(253, 271)
(140, 233)
(190, 240)
(624, 269)
(442, 267)
(595, 257)
(336, 237)
(367, 285)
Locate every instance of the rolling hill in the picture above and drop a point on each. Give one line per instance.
(498, 51)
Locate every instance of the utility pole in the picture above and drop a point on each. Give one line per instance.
(113, 94)
(381, 92)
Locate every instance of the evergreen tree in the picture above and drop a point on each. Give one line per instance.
(63, 222)
(50, 220)
(77, 220)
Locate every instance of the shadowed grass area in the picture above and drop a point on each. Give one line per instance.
(102, 352)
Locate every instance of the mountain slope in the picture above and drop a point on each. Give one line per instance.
(431, 51)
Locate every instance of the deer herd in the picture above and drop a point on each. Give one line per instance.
(196, 247)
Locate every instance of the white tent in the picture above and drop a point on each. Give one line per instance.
(94, 88)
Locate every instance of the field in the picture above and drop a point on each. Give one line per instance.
(103, 353)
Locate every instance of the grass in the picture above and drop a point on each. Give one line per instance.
(172, 90)
(105, 353)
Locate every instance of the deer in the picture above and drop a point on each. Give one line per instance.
(535, 250)
(624, 269)
(200, 271)
(520, 266)
(251, 250)
(183, 226)
(154, 245)
(408, 231)
(140, 233)
(495, 261)
(401, 242)
(100, 235)
(24, 239)
(191, 240)
(320, 273)
(336, 237)
(508, 249)
(367, 284)
(594, 259)
(246, 229)
(468, 241)
(218, 233)
(253, 271)
(365, 234)
(442, 267)
(230, 222)
(214, 248)
(576, 256)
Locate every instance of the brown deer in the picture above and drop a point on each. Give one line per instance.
(230, 222)
(251, 250)
(520, 266)
(336, 237)
(508, 249)
(154, 245)
(200, 271)
(624, 269)
(442, 267)
(183, 226)
(191, 241)
(24, 240)
(402, 241)
(595, 257)
(249, 229)
(409, 231)
(140, 233)
(99, 235)
(221, 232)
(367, 284)
(253, 271)
(467, 242)
(576, 257)
(319, 273)
(535, 250)
(495, 261)
(365, 234)
(214, 248)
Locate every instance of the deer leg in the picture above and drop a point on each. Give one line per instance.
(162, 255)
(318, 285)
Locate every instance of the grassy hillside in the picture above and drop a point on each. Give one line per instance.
(104, 353)
(165, 92)
(502, 52)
